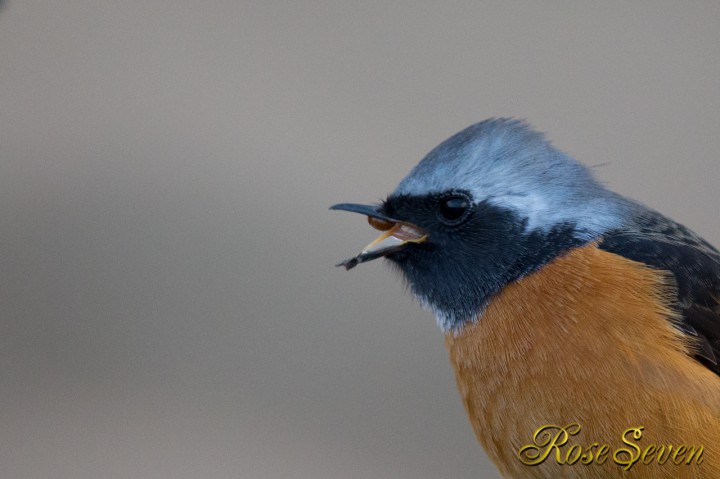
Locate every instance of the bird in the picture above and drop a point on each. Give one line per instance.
(583, 327)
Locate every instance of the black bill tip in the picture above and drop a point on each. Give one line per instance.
(373, 211)
(349, 264)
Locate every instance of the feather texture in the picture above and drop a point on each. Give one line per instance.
(588, 339)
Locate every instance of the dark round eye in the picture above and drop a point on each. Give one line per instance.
(453, 209)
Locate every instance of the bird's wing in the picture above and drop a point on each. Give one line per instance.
(658, 241)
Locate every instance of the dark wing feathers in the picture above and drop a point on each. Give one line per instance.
(660, 242)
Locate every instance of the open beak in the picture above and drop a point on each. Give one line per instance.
(396, 234)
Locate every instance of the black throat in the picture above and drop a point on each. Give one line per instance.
(457, 271)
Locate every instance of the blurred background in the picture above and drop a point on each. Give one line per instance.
(168, 302)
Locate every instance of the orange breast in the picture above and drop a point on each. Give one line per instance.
(587, 339)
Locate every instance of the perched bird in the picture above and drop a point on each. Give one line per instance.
(583, 327)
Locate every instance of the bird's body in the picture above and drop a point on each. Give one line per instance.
(586, 340)
(564, 306)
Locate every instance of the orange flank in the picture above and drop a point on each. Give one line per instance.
(588, 340)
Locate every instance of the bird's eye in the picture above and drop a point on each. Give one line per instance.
(453, 209)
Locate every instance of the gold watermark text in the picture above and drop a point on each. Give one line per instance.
(553, 442)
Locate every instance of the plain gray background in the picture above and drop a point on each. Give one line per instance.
(169, 303)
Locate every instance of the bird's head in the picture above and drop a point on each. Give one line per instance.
(487, 206)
